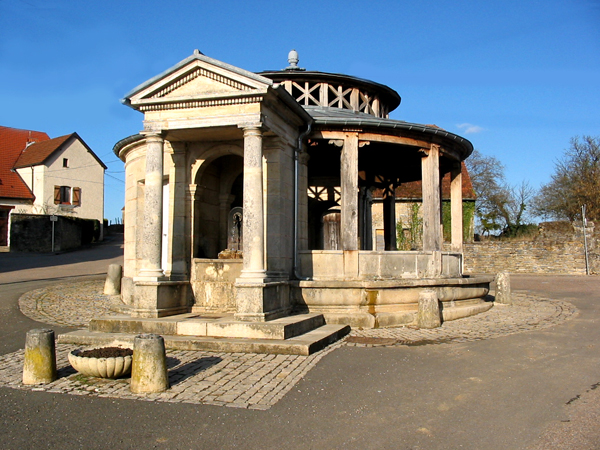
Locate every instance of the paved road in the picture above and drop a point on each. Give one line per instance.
(499, 393)
(94, 260)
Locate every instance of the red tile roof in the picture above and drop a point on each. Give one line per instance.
(413, 190)
(37, 153)
(12, 142)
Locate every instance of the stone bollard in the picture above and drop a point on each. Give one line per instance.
(112, 285)
(149, 366)
(503, 294)
(429, 310)
(39, 366)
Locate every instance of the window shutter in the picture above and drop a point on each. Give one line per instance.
(76, 196)
(56, 195)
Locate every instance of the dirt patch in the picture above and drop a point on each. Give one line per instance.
(106, 352)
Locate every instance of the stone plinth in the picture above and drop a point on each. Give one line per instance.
(159, 298)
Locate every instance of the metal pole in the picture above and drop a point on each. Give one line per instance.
(584, 222)
(52, 235)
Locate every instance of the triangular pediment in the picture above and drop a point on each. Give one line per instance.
(196, 78)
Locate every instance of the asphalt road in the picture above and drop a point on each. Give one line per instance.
(493, 394)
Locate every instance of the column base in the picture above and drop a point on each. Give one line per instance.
(155, 274)
(258, 302)
(153, 299)
(254, 276)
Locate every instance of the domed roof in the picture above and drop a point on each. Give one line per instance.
(334, 90)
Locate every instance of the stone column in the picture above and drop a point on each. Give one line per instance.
(456, 207)
(253, 225)
(430, 167)
(349, 192)
(192, 230)
(153, 208)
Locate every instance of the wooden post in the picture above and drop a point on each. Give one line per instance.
(430, 168)
(349, 194)
(456, 207)
(389, 217)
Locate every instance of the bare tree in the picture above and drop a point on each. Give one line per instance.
(500, 208)
(575, 182)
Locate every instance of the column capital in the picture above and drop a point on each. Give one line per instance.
(192, 189)
(154, 134)
(432, 148)
(252, 128)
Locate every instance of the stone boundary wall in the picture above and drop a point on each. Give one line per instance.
(558, 248)
(33, 233)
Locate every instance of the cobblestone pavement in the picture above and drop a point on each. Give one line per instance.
(72, 305)
(527, 313)
(254, 381)
(241, 380)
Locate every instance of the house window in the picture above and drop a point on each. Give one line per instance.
(65, 195)
(62, 195)
(65, 162)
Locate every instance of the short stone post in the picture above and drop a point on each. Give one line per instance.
(503, 294)
(112, 285)
(429, 310)
(39, 366)
(149, 366)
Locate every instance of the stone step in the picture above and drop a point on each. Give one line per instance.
(305, 344)
(215, 326)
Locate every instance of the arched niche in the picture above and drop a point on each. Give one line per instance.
(219, 180)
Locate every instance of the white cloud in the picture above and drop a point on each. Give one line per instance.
(469, 128)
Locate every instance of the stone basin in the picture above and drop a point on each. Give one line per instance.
(111, 367)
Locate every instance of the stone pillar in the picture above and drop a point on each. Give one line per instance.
(456, 207)
(503, 294)
(253, 225)
(112, 285)
(432, 206)
(349, 192)
(428, 315)
(153, 208)
(149, 367)
(39, 366)
(389, 217)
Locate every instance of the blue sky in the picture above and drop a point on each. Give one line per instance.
(517, 78)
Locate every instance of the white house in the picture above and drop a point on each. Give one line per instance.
(39, 175)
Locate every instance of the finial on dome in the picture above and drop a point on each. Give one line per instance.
(293, 61)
